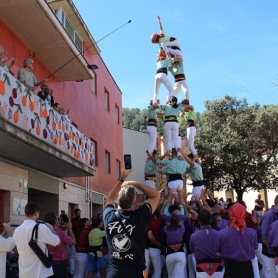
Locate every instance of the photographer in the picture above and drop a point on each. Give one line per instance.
(59, 253)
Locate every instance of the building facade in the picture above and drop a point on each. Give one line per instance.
(43, 158)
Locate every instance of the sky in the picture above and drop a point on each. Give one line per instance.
(229, 47)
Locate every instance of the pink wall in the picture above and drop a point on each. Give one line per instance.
(87, 109)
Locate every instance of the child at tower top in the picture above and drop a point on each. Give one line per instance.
(169, 44)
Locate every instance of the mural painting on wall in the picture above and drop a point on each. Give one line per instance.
(23, 108)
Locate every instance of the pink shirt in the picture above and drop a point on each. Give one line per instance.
(59, 253)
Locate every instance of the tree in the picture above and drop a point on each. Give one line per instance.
(238, 144)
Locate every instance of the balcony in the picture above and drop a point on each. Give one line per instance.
(35, 24)
(32, 134)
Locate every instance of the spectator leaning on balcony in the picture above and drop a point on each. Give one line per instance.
(27, 77)
(6, 63)
(46, 94)
(56, 106)
(65, 114)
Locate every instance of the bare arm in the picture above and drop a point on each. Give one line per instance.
(159, 23)
(29, 87)
(70, 233)
(40, 82)
(117, 187)
(152, 194)
(152, 238)
(187, 107)
(189, 160)
(178, 58)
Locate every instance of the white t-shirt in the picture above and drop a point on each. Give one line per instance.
(29, 263)
(6, 245)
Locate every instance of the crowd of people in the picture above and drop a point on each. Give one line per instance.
(169, 233)
(28, 79)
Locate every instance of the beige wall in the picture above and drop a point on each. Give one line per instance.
(136, 143)
(10, 179)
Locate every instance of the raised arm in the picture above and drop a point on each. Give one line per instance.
(152, 194)
(113, 194)
(160, 25)
(187, 158)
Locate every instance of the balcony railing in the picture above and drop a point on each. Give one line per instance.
(24, 109)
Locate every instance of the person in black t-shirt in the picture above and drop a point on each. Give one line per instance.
(126, 251)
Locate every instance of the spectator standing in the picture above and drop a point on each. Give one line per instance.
(95, 258)
(29, 263)
(65, 114)
(82, 248)
(126, 259)
(56, 106)
(46, 94)
(259, 205)
(6, 63)
(59, 253)
(153, 230)
(222, 203)
(26, 76)
(74, 222)
(6, 245)
(269, 217)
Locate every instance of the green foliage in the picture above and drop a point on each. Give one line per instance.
(238, 144)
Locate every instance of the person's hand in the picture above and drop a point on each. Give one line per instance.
(125, 173)
(68, 225)
(158, 18)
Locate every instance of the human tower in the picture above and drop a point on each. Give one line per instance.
(169, 59)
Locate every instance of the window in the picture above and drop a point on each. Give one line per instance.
(117, 113)
(106, 99)
(93, 83)
(94, 152)
(69, 28)
(107, 162)
(118, 168)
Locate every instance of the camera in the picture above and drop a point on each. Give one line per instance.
(64, 219)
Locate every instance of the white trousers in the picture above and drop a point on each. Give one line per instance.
(155, 258)
(214, 275)
(259, 255)
(151, 130)
(150, 183)
(175, 265)
(255, 267)
(190, 134)
(166, 45)
(181, 86)
(176, 185)
(270, 267)
(147, 260)
(162, 78)
(172, 135)
(197, 190)
(191, 266)
(81, 265)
